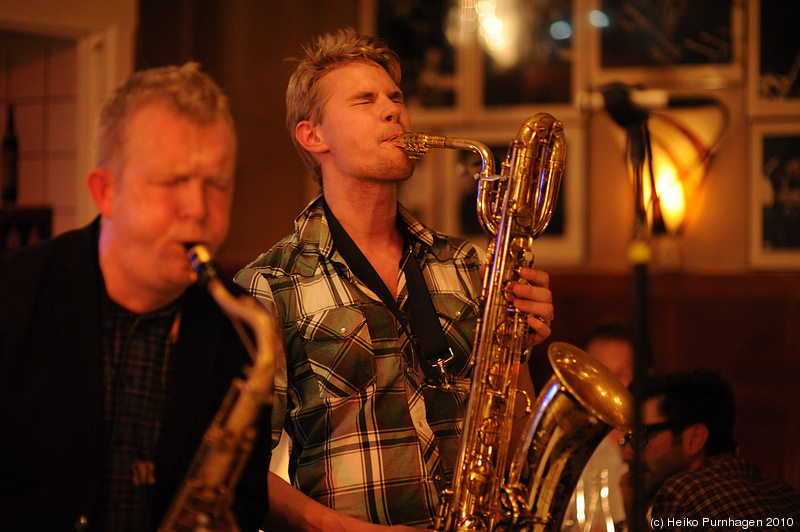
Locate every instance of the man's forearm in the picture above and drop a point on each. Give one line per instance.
(292, 510)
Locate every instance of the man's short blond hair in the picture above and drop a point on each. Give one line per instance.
(184, 89)
(329, 52)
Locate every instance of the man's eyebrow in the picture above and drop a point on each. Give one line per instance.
(365, 95)
(371, 95)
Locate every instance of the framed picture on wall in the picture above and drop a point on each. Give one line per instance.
(666, 42)
(529, 58)
(773, 85)
(775, 195)
(421, 32)
(476, 61)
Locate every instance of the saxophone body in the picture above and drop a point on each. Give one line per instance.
(204, 499)
(514, 207)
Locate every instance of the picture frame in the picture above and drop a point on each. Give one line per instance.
(534, 64)
(773, 80)
(433, 70)
(451, 72)
(666, 43)
(775, 196)
(549, 73)
(443, 193)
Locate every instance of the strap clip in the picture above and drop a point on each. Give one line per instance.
(440, 363)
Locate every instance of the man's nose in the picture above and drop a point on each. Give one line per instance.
(627, 452)
(392, 111)
(194, 199)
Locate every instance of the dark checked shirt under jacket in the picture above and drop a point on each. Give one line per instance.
(136, 372)
(726, 494)
(369, 438)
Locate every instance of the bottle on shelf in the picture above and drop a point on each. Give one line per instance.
(9, 164)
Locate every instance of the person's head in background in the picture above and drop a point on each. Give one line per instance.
(610, 343)
(687, 417)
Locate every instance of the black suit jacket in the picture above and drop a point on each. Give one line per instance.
(51, 393)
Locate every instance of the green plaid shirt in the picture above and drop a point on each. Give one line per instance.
(369, 439)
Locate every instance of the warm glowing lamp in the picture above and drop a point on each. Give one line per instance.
(680, 154)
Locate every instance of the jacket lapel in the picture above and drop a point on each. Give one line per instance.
(75, 318)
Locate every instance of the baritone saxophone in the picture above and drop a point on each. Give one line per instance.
(513, 207)
(204, 499)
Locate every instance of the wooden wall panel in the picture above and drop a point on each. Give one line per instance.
(746, 327)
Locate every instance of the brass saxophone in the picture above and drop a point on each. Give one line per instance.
(514, 207)
(205, 497)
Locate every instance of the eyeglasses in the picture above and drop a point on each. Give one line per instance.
(646, 431)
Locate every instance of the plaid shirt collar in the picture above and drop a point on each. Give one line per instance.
(314, 234)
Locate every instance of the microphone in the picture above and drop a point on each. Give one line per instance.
(650, 100)
(629, 106)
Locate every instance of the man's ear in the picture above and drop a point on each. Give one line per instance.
(695, 438)
(306, 134)
(101, 186)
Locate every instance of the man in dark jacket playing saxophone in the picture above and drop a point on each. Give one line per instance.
(112, 360)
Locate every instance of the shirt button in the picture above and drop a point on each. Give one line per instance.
(82, 523)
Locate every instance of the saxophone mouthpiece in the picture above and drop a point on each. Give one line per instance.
(402, 139)
(201, 260)
(414, 144)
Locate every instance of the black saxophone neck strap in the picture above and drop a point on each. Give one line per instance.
(433, 352)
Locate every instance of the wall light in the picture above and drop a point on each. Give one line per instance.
(682, 143)
(670, 141)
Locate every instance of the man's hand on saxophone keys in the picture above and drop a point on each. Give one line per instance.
(533, 297)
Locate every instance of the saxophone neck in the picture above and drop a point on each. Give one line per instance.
(418, 144)
(264, 340)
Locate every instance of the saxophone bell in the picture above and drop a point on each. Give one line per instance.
(575, 410)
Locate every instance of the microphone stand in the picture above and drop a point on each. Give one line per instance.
(634, 120)
(639, 256)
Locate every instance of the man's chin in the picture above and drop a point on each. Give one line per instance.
(180, 277)
(404, 174)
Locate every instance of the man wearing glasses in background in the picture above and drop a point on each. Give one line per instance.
(692, 477)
